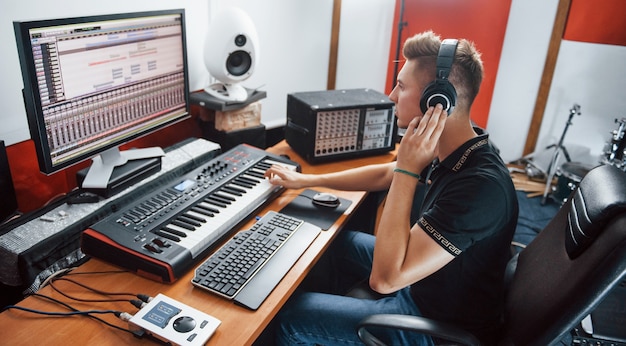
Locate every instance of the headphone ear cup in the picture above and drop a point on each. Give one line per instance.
(439, 91)
(426, 95)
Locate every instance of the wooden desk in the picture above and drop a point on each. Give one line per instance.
(240, 326)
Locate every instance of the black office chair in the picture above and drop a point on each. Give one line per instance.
(560, 277)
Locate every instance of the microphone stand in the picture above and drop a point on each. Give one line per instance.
(401, 25)
(575, 110)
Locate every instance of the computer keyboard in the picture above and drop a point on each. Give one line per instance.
(248, 267)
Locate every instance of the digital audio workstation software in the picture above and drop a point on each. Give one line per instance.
(93, 83)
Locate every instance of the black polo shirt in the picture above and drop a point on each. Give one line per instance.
(470, 209)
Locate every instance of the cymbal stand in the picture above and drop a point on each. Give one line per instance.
(575, 110)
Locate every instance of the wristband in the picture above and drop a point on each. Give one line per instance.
(411, 174)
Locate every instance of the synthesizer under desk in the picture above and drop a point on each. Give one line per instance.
(170, 230)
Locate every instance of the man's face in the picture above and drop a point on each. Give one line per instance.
(407, 93)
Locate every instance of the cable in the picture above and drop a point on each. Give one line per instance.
(16, 215)
(93, 290)
(124, 316)
(139, 303)
(84, 299)
(53, 313)
(56, 199)
(143, 297)
(88, 313)
(55, 274)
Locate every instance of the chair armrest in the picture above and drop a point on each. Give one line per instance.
(415, 324)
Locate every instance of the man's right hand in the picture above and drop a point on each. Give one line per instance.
(288, 178)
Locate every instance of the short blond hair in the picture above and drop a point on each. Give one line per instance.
(466, 73)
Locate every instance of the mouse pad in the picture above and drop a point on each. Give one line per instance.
(302, 207)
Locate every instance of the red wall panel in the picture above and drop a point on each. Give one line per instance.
(32, 188)
(598, 21)
(481, 21)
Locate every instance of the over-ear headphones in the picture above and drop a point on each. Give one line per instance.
(441, 90)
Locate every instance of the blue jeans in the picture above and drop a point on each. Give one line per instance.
(325, 317)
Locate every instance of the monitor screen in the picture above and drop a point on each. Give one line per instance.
(94, 83)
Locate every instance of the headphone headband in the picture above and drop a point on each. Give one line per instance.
(441, 90)
(446, 57)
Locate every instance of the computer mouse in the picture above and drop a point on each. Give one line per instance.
(325, 199)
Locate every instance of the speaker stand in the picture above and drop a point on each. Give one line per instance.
(227, 92)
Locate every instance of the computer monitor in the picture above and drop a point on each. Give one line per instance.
(94, 83)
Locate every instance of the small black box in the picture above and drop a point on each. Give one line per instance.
(124, 176)
(340, 124)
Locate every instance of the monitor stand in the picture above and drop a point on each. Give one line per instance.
(114, 170)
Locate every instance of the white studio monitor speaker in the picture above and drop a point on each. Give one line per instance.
(231, 53)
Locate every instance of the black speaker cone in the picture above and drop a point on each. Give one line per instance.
(238, 63)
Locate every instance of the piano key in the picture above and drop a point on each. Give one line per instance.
(215, 202)
(248, 180)
(179, 231)
(235, 188)
(188, 221)
(242, 183)
(223, 196)
(182, 224)
(263, 165)
(169, 234)
(256, 173)
(228, 217)
(232, 191)
(205, 209)
(194, 217)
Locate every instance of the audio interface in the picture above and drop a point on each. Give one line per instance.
(174, 322)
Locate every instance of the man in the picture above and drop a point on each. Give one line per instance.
(442, 256)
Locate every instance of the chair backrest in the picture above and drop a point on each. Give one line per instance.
(574, 262)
